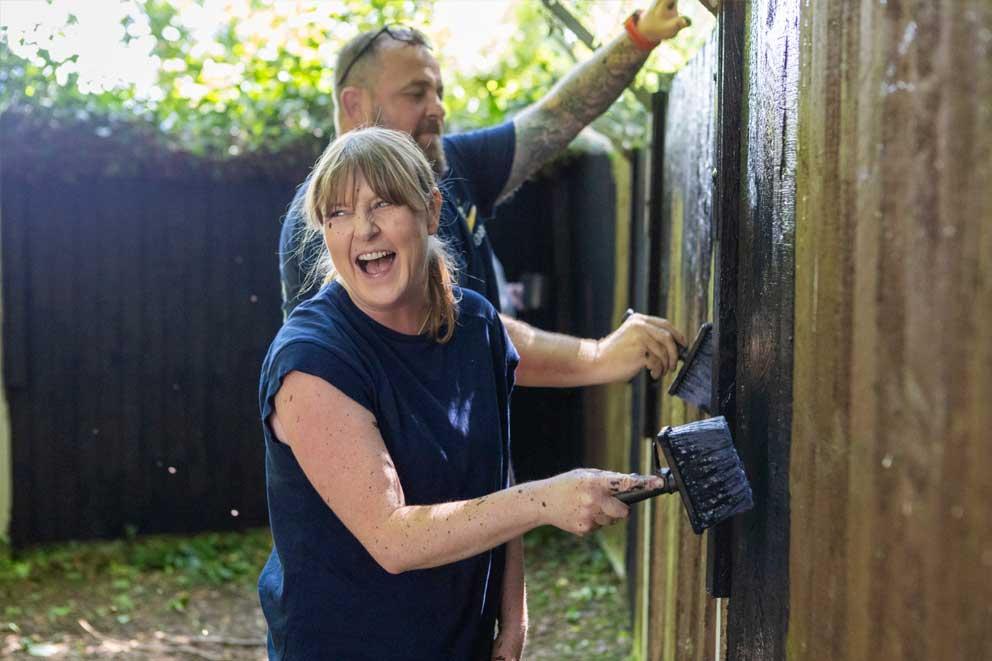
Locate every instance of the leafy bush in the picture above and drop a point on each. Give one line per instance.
(262, 82)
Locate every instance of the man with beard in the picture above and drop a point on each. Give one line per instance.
(389, 77)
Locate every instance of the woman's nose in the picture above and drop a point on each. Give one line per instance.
(366, 226)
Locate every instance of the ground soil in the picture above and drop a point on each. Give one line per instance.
(578, 610)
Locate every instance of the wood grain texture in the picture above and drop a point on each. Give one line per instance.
(682, 619)
(891, 554)
(137, 312)
(758, 610)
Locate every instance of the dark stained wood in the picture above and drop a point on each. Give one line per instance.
(726, 211)
(132, 344)
(759, 610)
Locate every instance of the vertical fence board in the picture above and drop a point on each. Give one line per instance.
(892, 528)
(765, 329)
(726, 219)
(682, 617)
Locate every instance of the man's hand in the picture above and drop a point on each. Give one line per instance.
(662, 21)
(641, 341)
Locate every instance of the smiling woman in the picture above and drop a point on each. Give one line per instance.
(385, 408)
(380, 230)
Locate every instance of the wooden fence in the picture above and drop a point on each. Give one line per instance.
(823, 181)
(137, 313)
(138, 305)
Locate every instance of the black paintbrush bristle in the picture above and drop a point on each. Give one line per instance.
(708, 471)
(694, 381)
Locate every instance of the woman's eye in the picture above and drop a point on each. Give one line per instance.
(380, 204)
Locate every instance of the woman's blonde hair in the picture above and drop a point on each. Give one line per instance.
(397, 171)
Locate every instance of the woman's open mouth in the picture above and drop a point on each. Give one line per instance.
(375, 263)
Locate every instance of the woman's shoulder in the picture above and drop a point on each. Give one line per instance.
(474, 304)
(318, 321)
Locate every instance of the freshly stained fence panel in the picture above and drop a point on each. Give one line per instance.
(137, 311)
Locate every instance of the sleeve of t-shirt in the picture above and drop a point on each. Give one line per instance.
(511, 356)
(484, 158)
(333, 367)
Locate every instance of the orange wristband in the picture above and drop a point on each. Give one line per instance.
(642, 42)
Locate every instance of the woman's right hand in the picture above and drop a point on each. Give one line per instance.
(582, 501)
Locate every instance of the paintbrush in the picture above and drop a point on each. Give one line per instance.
(694, 382)
(704, 468)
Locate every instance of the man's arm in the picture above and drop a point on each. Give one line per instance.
(556, 360)
(546, 127)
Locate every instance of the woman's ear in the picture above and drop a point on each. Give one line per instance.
(435, 212)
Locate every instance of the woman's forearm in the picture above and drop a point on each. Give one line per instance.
(423, 536)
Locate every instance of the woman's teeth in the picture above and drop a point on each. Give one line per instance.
(375, 262)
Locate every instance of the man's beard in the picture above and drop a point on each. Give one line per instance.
(435, 154)
(434, 151)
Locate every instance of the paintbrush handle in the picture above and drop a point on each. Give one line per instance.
(631, 497)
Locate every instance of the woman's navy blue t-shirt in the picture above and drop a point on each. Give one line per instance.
(443, 412)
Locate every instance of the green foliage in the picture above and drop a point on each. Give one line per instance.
(207, 559)
(262, 81)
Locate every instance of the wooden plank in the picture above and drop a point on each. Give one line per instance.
(82, 299)
(682, 618)
(136, 392)
(155, 462)
(892, 528)
(194, 390)
(758, 613)
(45, 394)
(726, 212)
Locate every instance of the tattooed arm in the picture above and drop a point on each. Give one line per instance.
(547, 127)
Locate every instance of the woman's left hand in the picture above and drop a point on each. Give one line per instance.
(509, 644)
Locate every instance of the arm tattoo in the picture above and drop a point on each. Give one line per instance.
(547, 127)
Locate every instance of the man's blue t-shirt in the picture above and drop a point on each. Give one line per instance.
(443, 412)
(478, 168)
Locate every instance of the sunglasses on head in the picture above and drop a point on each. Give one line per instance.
(397, 32)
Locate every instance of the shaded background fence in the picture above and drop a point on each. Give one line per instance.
(141, 291)
(137, 309)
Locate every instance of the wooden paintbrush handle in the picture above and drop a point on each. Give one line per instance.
(636, 496)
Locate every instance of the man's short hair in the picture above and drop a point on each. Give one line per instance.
(355, 58)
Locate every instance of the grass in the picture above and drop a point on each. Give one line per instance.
(189, 597)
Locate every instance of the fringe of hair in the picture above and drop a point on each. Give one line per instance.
(373, 151)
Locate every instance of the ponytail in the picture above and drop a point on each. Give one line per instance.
(443, 305)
